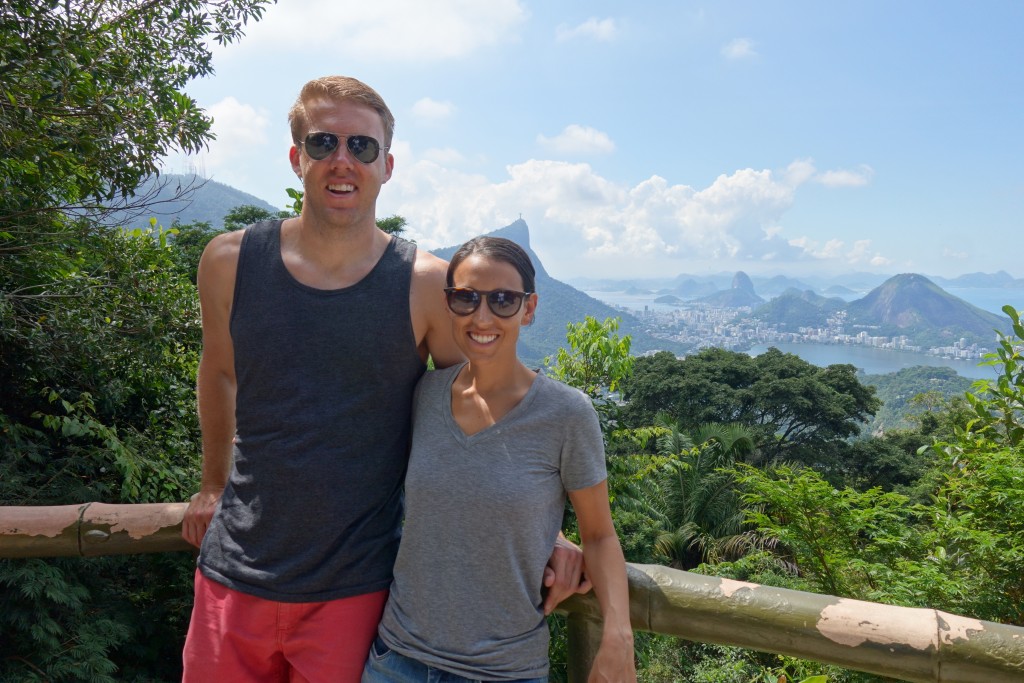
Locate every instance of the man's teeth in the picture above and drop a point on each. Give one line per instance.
(341, 188)
(483, 338)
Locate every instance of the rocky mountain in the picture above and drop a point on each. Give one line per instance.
(561, 304)
(912, 304)
(741, 293)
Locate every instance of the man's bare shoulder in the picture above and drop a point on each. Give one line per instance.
(219, 261)
(225, 246)
(429, 267)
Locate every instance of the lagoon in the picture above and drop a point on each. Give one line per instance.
(875, 361)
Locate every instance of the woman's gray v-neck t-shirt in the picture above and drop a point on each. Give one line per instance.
(482, 516)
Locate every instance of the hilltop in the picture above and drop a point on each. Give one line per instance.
(913, 305)
(794, 308)
(561, 304)
(187, 199)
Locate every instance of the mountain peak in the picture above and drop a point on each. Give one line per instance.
(743, 282)
(517, 231)
(909, 301)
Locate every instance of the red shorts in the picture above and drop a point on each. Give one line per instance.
(234, 636)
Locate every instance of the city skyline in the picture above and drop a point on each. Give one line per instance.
(662, 138)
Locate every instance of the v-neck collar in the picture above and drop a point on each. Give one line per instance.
(495, 429)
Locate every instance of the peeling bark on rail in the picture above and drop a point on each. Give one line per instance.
(909, 644)
(91, 529)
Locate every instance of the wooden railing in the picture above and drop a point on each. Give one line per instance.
(909, 644)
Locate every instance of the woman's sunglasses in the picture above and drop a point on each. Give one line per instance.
(503, 303)
(363, 148)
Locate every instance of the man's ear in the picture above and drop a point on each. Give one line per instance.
(295, 158)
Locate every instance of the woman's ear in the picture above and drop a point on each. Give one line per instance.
(531, 308)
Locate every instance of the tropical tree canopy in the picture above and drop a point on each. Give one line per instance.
(795, 407)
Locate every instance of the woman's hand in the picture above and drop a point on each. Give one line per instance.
(614, 660)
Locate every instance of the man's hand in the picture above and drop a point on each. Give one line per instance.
(198, 515)
(564, 574)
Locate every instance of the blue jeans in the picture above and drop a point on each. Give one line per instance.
(384, 665)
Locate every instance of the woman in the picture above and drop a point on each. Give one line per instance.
(496, 447)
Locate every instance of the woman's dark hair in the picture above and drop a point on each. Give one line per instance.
(498, 249)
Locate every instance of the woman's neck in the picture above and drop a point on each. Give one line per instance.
(497, 378)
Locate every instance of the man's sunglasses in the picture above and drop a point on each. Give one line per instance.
(503, 303)
(319, 146)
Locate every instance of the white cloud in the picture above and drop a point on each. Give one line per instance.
(738, 216)
(739, 48)
(237, 126)
(846, 178)
(383, 30)
(431, 110)
(958, 254)
(579, 217)
(576, 139)
(602, 30)
(240, 130)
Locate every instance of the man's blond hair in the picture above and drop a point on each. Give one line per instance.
(338, 89)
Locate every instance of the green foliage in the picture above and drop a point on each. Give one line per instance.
(893, 462)
(247, 214)
(597, 359)
(189, 240)
(911, 392)
(846, 542)
(393, 225)
(100, 407)
(976, 529)
(92, 95)
(797, 410)
(978, 532)
(296, 197)
(596, 362)
(681, 507)
(999, 404)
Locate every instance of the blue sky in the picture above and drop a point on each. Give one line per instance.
(658, 138)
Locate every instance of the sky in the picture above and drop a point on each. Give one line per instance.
(652, 139)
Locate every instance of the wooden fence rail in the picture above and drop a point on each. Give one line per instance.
(910, 644)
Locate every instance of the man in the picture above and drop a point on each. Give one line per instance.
(315, 331)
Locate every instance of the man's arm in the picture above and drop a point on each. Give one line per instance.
(216, 381)
(432, 325)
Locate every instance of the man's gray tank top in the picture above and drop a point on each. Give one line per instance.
(313, 507)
